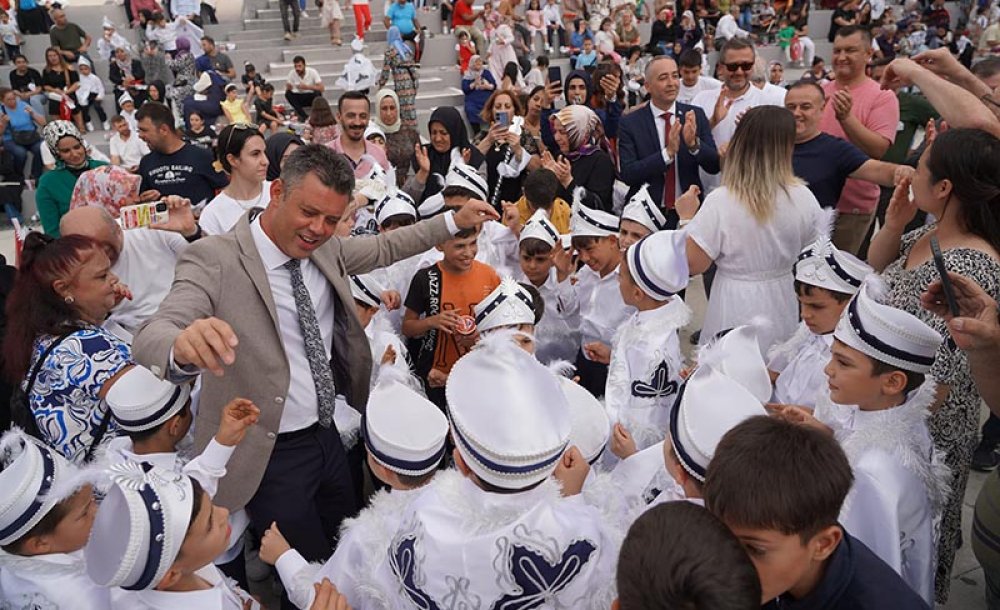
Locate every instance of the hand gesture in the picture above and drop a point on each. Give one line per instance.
(572, 471)
(328, 598)
(122, 292)
(842, 103)
(901, 208)
(977, 326)
(553, 91)
(930, 131)
(391, 299)
(423, 161)
(899, 73)
(690, 130)
(511, 217)
(687, 204)
(622, 443)
(563, 171)
(562, 260)
(721, 109)
(389, 355)
(466, 155)
(207, 343)
(273, 545)
(941, 62)
(598, 352)
(474, 213)
(180, 217)
(237, 417)
(799, 416)
(437, 378)
(609, 84)
(674, 139)
(903, 172)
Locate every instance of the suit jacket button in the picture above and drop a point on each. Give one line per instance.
(270, 435)
(279, 400)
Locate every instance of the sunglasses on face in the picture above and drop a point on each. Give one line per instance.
(745, 66)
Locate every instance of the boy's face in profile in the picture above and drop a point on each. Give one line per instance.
(72, 532)
(207, 537)
(852, 379)
(365, 313)
(783, 563)
(819, 310)
(460, 252)
(601, 255)
(629, 232)
(630, 291)
(536, 266)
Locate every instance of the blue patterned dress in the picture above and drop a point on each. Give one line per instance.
(65, 399)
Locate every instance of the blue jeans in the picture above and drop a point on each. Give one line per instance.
(20, 154)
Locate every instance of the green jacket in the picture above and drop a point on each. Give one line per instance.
(55, 189)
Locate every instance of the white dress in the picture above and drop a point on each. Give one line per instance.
(800, 364)
(222, 213)
(754, 261)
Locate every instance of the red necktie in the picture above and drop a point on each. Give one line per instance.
(669, 179)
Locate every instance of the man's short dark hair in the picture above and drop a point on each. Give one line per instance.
(808, 84)
(690, 58)
(332, 168)
(851, 30)
(985, 68)
(735, 44)
(679, 555)
(532, 246)
(298, 59)
(208, 39)
(540, 188)
(159, 114)
(765, 453)
(466, 233)
(352, 95)
(267, 87)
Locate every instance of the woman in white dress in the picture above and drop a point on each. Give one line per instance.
(240, 151)
(753, 228)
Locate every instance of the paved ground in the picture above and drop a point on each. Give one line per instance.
(967, 588)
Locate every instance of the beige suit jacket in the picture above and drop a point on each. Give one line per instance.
(223, 276)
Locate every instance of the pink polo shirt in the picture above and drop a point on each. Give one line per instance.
(877, 110)
(361, 169)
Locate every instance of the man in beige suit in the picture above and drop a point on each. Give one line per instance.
(267, 310)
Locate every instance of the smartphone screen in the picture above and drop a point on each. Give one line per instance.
(555, 74)
(503, 118)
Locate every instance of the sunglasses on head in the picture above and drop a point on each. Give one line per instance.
(746, 66)
(237, 127)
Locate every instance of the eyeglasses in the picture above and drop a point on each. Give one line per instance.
(237, 127)
(746, 66)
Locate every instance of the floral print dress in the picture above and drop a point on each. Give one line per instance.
(405, 81)
(955, 425)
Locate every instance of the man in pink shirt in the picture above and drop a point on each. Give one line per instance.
(857, 110)
(353, 109)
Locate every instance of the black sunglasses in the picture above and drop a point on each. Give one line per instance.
(746, 66)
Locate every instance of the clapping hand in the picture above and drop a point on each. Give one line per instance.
(572, 471)
(842, 103)
(423, 161)
(721, 109)
(690, 130)
(237, 417)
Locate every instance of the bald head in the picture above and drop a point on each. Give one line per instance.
(94, 222)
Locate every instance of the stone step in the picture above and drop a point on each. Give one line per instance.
(275, 41)
(428, 98)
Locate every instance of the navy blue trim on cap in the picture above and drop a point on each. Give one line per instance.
(841, 273)
(520, 294)
(675, 440)
(398, 195)
(154, 512)
(582, 211)
(477, 181)
(397, 463)
(878, 344)
(652, 215)
(504, 468)
(136, 423)
(361, 286)
(48, 471)
(547, 225)
(637, 263)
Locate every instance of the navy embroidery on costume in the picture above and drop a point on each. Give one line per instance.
(537, 579)
(403, 561)
(659, 385)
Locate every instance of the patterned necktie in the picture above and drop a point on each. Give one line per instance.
(669, 179)
(319, 366)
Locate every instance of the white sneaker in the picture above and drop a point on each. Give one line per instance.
(90, 126)
(106, 125)
(304, 15)
(288, 35)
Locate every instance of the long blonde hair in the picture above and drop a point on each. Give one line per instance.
(759, 159)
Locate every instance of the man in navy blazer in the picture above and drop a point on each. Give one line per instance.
(645, 154)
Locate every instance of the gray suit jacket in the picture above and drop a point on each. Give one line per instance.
(223, 276)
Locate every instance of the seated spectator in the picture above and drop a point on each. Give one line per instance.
(200, 133)
(302, 86)
(27, 84)
(215, 60)
(323, 122)
(60, 81)
(125, 72)
(69, 38)
(20, 124)
(478, 85)
(127, 148)
(55, 187)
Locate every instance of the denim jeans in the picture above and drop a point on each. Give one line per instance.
(20, 154)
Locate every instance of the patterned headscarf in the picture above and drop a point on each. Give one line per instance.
(109, 186)
(583, 128)
(57, 130)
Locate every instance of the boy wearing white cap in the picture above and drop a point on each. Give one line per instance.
(90, 94)
(155, 535)
(514, 307)
(547, 266)
(394, 210)
(127, 105)
(155, 416)
(404, 435)
(877, 408)
(602, 310)
(646, 360)
(386, 345)
(825, 280)
(44, 523)
(498, 531)
(642, 216)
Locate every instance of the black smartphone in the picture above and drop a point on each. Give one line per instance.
(949, 290)
(555, 74)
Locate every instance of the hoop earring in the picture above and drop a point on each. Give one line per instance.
(69, 299)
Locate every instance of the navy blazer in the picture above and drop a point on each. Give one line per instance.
(641, 156)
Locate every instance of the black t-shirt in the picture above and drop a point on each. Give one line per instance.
(188, 173)
(51, 78)
(203, 139)
(824, 163)
(840, 13)
(19, 82)
(263, 107)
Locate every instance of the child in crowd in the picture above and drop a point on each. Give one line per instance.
(640, 217)
(395, 210)
(404, 436)
(267, 116)
(535, 21)
(595, 238)
(514, 307)
(236, 109)
(802, 555)
(540, 188)
(547, 266)
(90, 94)
(581, 32)
(706, 567)
(43, 528)
(465, 49)
(10, 35)
(359, 71)
(441, 299)
(250, 77)
(536, 75)
(491, 20)
(877, 409)
(825, 280)
(369, 297)
(552, 16)
(199, 133)
(128, 111)
(171, 518)
(155, 416)
(587, 57)
(785, 35)
(605, 40)
(646, 361)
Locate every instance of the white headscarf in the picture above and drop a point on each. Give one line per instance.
(382, 94)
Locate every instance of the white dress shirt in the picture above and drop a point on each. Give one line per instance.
(660, 118)
(602, 309)
(704, 83)
(724, 130)
(129, 152)
(301, 406)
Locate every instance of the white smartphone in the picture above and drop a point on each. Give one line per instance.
(144, 214)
